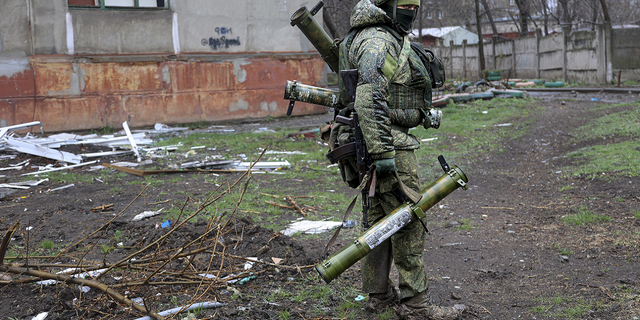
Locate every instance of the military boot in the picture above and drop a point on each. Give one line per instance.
(380, 301)
(421, 306)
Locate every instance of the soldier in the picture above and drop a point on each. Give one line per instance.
(392, 96)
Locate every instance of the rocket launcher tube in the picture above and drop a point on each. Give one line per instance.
(332, 267)
(304, 20)
(310, 94)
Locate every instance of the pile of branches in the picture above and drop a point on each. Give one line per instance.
(154, 264)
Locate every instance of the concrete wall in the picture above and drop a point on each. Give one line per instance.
(625, 45)
(201, 61)
(576, 57)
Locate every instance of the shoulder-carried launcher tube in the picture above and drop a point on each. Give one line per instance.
(304, 20)
(385, 228)
(305, 93)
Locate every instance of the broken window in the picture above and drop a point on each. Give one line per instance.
(108, 4)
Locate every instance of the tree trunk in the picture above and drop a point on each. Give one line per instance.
(545, 12)
(523, 7)
(480, 40)
(566, 18)
(490, 17)
(605, 11)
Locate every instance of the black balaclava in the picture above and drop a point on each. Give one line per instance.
(401, 18)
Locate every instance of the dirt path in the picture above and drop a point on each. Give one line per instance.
(511, 262)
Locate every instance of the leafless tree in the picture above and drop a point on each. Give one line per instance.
(338, 12)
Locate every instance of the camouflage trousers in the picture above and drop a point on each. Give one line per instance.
(404, 248)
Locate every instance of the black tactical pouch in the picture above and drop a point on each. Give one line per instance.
(433, 64)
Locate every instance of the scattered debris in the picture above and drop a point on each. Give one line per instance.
(41, 151)
(310, 227)
(61, 168)
(5, 130)
(134, 147)
(146, 214)
(103, 208)
(56, 189)
(201, 305)
(41, 316)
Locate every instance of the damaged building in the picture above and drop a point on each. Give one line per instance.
(88, 64)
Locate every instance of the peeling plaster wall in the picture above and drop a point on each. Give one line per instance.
(200, 61)
(14, 27)
(49, 26)
(117, 32)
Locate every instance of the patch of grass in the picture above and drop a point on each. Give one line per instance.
(607, 161)
(47, 244)
(563, 251)
(116, 190)
(68, 177)
(624, 123)
(152, 181)
(465, 225)
(636, 214)
(585, 216)
(106, 249)
(105, 130)
(469, 131)
(562, 307)
(387, 314)
(284, 314)
(565, 188)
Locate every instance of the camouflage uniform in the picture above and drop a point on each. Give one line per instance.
(393, 94)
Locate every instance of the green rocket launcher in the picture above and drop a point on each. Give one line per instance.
(385, 228)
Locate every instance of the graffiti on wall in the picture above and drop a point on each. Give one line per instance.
(223, 42)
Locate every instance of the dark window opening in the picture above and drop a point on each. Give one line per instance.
(121, 4)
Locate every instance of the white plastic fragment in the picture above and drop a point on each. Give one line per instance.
(249, 264)
(201, 305)
(310, 227)
(284, 152)
(64, 187)
(38, 150)
(41, 316)
(132, 141)
(4, 130)
(82, 275)
(11, 168)
(146, 214)
(61, 168)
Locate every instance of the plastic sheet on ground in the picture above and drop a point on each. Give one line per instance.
(310, 227)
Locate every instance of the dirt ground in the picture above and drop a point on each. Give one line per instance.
(517, 260)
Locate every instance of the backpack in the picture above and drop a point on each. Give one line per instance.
(433, 64)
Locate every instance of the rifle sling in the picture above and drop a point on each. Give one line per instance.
(342, 152)
(411, 194)
(362, 186)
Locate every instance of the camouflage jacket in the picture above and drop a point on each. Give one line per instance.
(393, 89)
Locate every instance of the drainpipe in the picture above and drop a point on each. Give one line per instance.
(29, 14)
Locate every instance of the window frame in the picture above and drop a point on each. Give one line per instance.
(136, 6)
